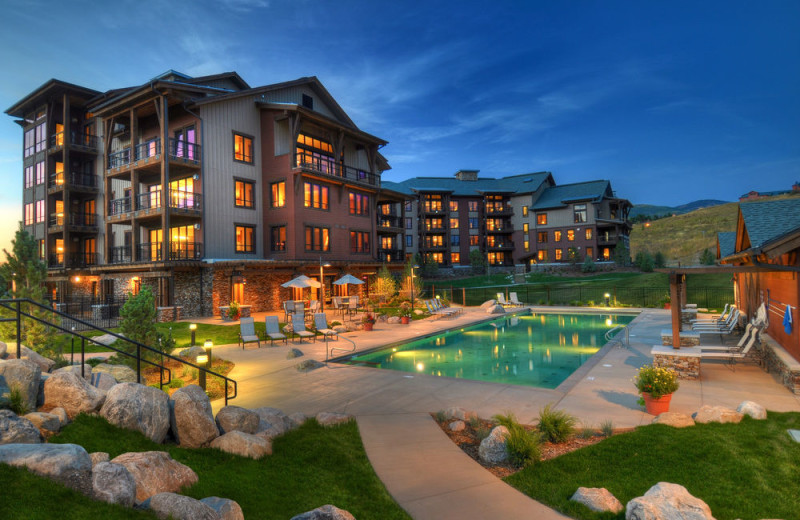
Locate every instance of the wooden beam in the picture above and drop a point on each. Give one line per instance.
(675, 297)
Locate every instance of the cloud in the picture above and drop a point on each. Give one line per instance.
(243, 6)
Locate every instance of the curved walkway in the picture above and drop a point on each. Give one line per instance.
(428, 475)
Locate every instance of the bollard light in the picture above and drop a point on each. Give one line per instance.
(193, 328)
(608, 299)
(201, 359)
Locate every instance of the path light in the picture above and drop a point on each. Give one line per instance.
(202, 375)
(322, 284)
(608, 299)
(193, 328)
(415, 266)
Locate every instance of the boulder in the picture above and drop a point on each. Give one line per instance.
(667, 501)
(87, 371)
(191, 418)
(458, 413)
(243, 444)
(105, 339)
(332, 418)
(419, 312)
(597, 499)
(23, 375)
(393, 319)
(98, 457)
(754, 410)
(120, 373)
(3, 350)
(192, 353)
(488, 304)
(340, 328)
(326, 512)
(307, 365)
(155, 472)
(457, 426)
(138, 407)
(102, 381)
(113, 483)
(299, 418)
(72, 393)
(674, 419)
(495, 309)
(5, 394)
(46, 422)
(17, 430)
(235, 418)
(67, 464)
(179, 507)
(294, 353)
(43, 363)
(493, 448)
(720, 414)
(226, 508)
(63, 418)
(273, 422)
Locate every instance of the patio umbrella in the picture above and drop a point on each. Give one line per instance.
(348, 279)
(301, 282)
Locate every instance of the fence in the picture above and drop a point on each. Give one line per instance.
(709, 297)
(103, 313)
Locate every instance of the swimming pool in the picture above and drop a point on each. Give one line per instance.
(535, 349)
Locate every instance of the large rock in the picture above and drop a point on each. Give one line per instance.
(17, 430)
(226, 508)
(294, 353)
(23, 375)
(192, 353)
(674, 419)
(326, 512)
(488, 304)
(72, 393)
(63, 418)
(113, 483)
(333, 418)
(46, 422)
(155, 472)
(243, 444)
(495, 309)
(178, 507)
(98, 457)
(666, 501)
(103, 381)
(44, 363)
(456, 426)
(191, 418)
(5, 394)
(597, 499)
(273, 422)
(235, 418)
(137, 407)
(493, 448)
(87, 371)
(3, 350)
(120, 373)
(67, 464)
(754, 410)
(458, 413)
(299, 418)
(720, 414)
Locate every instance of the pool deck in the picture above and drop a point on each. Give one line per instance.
(427, 474)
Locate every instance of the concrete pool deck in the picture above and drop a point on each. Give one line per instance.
(422, 469)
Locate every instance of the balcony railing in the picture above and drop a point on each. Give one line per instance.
(120, 255)
(390, 221)
(500, 246)
(179, 149)
(82, 140)
(56, 219)
(83, 219)
(390, 255)
(605, 240)
(497, 211)
(178, 199)
(120, 158)
(151, 252)
(328, 166)
(76, 179)
(119, 206)
(148, 149)
(81, 259)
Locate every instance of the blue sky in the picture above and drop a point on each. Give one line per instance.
(671, 101)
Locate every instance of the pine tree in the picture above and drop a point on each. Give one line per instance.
(707, 258)
(139, 318)
(477, 262)
(384, 284)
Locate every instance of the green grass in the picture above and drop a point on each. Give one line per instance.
(310, 467)
(748, 470)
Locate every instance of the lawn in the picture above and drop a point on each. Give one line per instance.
(748, 470)
(310, 467)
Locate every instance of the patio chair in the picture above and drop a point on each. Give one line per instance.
(726, 312)
(288, 309)
(501, 299)
(273, 330)
(321, 323)
(441, 307)
(742, 341)
(247, 332)
(436, 311)
(313, 306)
(512, 298)
(725, 327)
(299, 326)
(732, 354)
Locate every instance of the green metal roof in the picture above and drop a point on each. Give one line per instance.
(727, 243)
(516, 184)
(766, 221)
(560, 196)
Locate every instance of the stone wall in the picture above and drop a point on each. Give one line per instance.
(686, 362)
(687, 315)
(776, 360)
(193, 292)
(165, 314)
(688, 339)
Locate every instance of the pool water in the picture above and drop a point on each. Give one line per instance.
(539, 350)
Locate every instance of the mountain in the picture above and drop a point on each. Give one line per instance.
(652, 210)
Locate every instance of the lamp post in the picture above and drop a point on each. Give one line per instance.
(322, 284)
(414, 266)
(193, 328)
(205, 359)
(608, 299)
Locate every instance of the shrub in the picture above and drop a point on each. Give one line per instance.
(588, 265)
(707, 258)
(176, 383)
(555, 425)
(16, 401)
(474, 422)
(139, 319)
(234, 311)
(440, 416)
(586, 433)
(656, 381)
(659, 260)
(607, 428)
(522, 446)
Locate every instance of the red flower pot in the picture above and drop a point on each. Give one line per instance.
(667, 306)
(368, 326)
(405, 320)
(656, 406)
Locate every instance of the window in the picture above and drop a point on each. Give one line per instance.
(580, 213)
(541, 219)
(242, 148)
(588, 233)
(606, 253)
(455, 258)
(29, 145)
(308, 102)
(432, 203)
(525, 227)
(243, 191)
(315, 154)
(559, 254)
(41, 137)
(29, 176)
(434, 241)
(453, 205)
(526, 245)
(29, 214)
(40, 172)
(245, 239)
(472, 205)
(435, 257)
(278, 194)
(453, 223)
(359, 204)
(39, 211)
(571, 235)
(494, 258)
(359, 242)
(408, 222)
(494, 224)
(541, 255)
(542, 237)
(316, 196)
(474, 240)
(185, 143)
(40, 247)
(455, 240)
(408, 205)
(278, 238)
(409, 240)
(473, 223)
(557, 236)
(524, 211)
(434, 223)
(589, 252)
(317, 239)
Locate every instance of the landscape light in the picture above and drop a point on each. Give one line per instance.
(193, 328)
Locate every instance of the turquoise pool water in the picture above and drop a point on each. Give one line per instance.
(539, 350)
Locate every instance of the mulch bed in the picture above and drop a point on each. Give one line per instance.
(215, 387)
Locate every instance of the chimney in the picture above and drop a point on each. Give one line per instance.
(467, 175)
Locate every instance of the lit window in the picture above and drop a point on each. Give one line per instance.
(557, 236)
(242, 148)
(243, 194)
(606, 253)
(559, 254)
(279, 238)
(588, 233)
(29, 214)
(359, 204)
(541, 219)
(245, 239)
(525, 227)
(474, 240)
(453, 223)
(589, 252)
(473, 205)
(453, 205)
(541, 237)
(278, 194)
(317, 238)
(527, 245)
(359, 242)
(40, 172)
(541, 255)
(455, 258)
(316, 196)
(524, 211)
(580, 213)
(29, 177)
(39, 211)
(570, 235)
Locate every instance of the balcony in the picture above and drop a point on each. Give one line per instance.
(499, 211)
(504, 230)
(608, 240)
(81, 259)
(120, 255)
(390, 223)
(120, 159)
(179, 152)
(151, 203)
(391, 255)
(118, 207)
(435, 229)
(55, 261)
(80, 142)
(435, 247)
(152, 251)
(76, 181)
(432, 209)
(327, 166)
(500, 246)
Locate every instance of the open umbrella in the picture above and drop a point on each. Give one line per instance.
(301, 282)
(348, 279)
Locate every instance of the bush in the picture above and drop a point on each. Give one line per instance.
(607, 428)
(586, 433)
(707, 258)
(588, 265)
(659, 260)
(176, 383)
(522, 446)
(555, 425)
(16, 401)
(139, 318)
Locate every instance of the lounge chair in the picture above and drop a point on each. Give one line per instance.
(512, 298)
(725, 327)
(726, 312)
(501, 299)
(288, 309)
(273, 329)
(299, 326)
(436, 311)
(321, 323)
(733, 353)
(439, 306)
(742, 341)
(247, 332)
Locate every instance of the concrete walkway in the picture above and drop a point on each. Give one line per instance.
(422, 469)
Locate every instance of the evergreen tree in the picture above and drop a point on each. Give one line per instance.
(406, 284)
(477, 262)
(588, 265)
(622, 255)
(659, 260)
(707, 258)
(139, 318)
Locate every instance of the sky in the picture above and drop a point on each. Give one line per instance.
(670, 101)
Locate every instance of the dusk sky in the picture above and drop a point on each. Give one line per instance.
(671, 101)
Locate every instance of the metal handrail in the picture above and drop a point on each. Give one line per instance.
(9, 305)
(613, 334)
(329, 349)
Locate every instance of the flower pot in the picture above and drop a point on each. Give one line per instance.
(656, 406)
(405, 320)
(667, 306)
(368, 326)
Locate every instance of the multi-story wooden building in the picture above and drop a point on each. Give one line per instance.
(520, 219)
(203, 188)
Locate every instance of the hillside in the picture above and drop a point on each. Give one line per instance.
(682, 238)
(652, 210)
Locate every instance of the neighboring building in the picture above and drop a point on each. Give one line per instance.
(203, 188)
(511, 220)
(756, 195)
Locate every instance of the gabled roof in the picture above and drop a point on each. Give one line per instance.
(770, 220)
(726, 243)
(560, 196)
(43, 93)
(515, 184)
